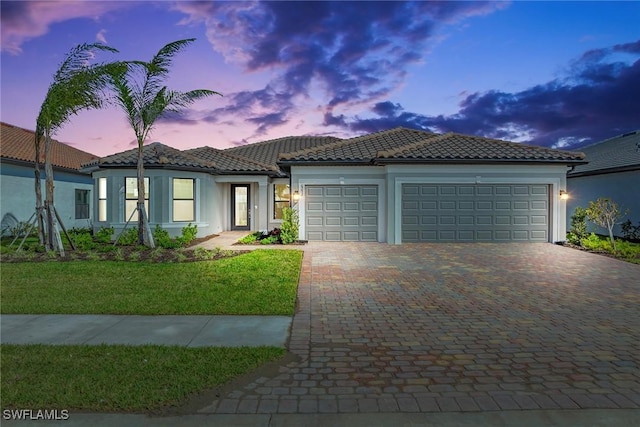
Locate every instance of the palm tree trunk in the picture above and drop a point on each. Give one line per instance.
(38, 188)
(48, 201)
(144, 230)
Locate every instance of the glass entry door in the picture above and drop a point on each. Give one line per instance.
(240, 219)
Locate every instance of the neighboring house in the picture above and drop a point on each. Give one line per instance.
(72, 188)
(613, 172)
(395, 186)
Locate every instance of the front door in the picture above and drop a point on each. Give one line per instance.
(240, 219)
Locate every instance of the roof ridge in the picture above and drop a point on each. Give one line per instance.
(343, 142)
(236, 157)
(271, 141)
(622, 135)
(398, 150)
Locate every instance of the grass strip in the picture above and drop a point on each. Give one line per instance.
(262, 282)
(118, 378)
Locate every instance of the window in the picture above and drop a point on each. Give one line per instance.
(82, 204)
(131, 197)
(102, 199)
(280, 199)
(183, 199)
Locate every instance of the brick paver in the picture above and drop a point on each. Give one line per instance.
(455, 327)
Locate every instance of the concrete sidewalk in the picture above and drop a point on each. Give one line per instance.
(566, 418)
(189, 331)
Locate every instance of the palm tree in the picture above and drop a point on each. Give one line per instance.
(140, 92)
(76, 86)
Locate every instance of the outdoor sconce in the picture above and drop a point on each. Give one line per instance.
(296, 196)
(564, 195)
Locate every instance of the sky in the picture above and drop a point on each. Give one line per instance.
(555, 74)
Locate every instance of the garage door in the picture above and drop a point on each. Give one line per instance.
(341, 212)
(452, 212)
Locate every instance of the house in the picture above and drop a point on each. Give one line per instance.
(613, 172)
(395, 186)
(72, 188)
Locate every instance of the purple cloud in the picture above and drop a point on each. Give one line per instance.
(349, 53)
(25, 20)
(597, 100)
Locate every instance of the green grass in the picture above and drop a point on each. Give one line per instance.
(260, 282)
(118, 378)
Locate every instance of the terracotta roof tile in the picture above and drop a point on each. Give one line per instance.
(225, 161)
(154, 155)
(362, 149)
(19, 144)
(618, 153)
(268, 152)
(454, 146)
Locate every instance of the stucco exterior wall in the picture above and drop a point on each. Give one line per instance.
(207, 198)
(302, 176)
(621, 187)
(390, 179)
(18, 193)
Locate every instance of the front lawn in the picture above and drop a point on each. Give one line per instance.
(118, 378)
(262, 282)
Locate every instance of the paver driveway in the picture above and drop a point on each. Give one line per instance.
(455, 327)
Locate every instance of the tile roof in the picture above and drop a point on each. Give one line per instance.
(154, 155)
(224, 161)
(457, 147)
(362, 149)
(18, 144)
(268, 152)
(611, 155)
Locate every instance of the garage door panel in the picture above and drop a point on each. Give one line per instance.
(332, 191)
(369, 191)
(539, 205)
(369, 206)
(481, 212)
(369, 220)
(314, 220)
(345, 212)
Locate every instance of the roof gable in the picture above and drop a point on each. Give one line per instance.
(611, 155)
(19, 144)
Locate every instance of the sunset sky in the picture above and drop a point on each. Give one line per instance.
(559, 74)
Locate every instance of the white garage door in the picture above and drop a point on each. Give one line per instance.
(455, 212)
(341, 212)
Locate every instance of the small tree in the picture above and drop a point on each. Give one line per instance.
(578, 226)
(605, 213)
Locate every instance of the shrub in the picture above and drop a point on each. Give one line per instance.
(578, 226)
(250, 238)
(23, 228)
(290, 226)
(82, 241)
(630, 231)
(189, 234)
(162, 238)
(129, 237)
(593, 242)
(104, 235)
(269, 240)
